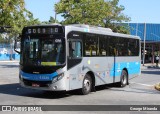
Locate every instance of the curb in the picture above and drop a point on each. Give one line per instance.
(150, 67)
(157, 86)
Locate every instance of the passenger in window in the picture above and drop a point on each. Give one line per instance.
(103, 52)
(115, 52)
(129, 52)
(93, 50)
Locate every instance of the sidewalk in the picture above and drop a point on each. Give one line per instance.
(150, 65)
(153, 66)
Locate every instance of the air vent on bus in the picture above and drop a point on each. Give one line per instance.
(92, 27)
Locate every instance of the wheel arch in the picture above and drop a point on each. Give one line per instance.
(93, 79)
(127, 75)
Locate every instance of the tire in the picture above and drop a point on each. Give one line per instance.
(124, 78)
(86, 85)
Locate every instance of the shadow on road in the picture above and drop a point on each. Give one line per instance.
(16, 89)
(9, 66)
(151, 72)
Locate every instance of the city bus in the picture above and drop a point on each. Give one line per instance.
(76, 57)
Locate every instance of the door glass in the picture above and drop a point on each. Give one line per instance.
(75, 49)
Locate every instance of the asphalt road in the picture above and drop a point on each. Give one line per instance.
(140, 91)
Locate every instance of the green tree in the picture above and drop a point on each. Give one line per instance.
(51, 21)
(3, 40)
(13, 14)
(9, 9)
(115, 17)
(82, 11)
(93, 12)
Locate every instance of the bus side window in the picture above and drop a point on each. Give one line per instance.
(87, 50)
(102, 46)
(75, 50)
(91, 45)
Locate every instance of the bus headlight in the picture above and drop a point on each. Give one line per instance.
(57, 78)
(54, 80)
(60, 76)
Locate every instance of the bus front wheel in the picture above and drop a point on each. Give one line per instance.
(124, 78)
(86, 85)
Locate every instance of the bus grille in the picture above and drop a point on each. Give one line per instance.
(40, 83)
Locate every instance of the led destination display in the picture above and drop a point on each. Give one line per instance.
(44, 30)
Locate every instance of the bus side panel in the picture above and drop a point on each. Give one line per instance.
(114, 71)
(75, 76)
(105, 69)
(131, 64)
(97, 65)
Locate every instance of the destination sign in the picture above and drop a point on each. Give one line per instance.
(44, 30)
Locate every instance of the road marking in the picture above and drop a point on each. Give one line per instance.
(142, 84)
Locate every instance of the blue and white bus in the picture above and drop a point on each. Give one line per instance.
(63, 58)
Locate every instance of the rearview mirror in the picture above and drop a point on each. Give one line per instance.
(17, 45)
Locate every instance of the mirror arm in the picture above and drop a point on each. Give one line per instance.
(15, 45)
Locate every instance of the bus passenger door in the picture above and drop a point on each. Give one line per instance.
(74, 62)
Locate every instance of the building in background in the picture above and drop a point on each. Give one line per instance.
(151, 38)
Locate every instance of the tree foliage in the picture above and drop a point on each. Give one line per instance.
(116, 17)
(82, 11)
(14, 14)
(51, 21)
(9, 9)
(93, 12)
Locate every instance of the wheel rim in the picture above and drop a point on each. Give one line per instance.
(87, 84)
(124, 79)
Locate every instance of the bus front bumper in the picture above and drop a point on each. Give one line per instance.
(43, 85)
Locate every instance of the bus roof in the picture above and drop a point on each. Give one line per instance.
(98, 30)
(89, 29)
(45, 25)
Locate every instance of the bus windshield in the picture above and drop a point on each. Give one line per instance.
(44, 51)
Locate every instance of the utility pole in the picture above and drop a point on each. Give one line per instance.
(144, 43)
(55, 17)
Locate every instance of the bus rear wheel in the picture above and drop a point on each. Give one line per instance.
(124, 78)
(86, 85)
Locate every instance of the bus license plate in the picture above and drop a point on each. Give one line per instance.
(35, 85)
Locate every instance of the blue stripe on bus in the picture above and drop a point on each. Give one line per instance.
(38, 77)
(132, 67)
